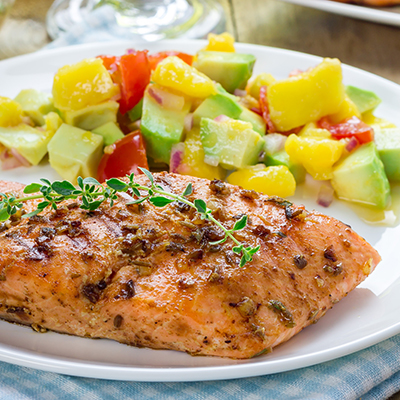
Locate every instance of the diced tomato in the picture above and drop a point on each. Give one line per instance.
(132, 72)
(127, 155)
(154, 59)
(265, 110)
(351, 127)
(135, 76)
(109, 62)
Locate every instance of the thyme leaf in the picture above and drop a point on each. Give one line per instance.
(93, 194)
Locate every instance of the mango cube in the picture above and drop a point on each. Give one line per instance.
(306, 97)
(193, 159)
(370, 119)
(10, 112)
(254, 85)
(347, 110)
(316, 154)
(273, 181)
(175, 74)
(83, 84)
(223, 42)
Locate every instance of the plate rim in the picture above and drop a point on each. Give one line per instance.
(351, 10)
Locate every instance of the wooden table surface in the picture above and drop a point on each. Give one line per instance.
(372, 47)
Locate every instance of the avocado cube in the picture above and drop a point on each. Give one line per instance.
(388, 145)
(136, 112)
(215, 105)
(162, 127)
(92, 117)
(35, 104)
(363, 99)
(110, 133)
(231, 144)
(231, 70)
(256, 121)
(30, 142)
(361, 178)
(74, 152)
(282, 158)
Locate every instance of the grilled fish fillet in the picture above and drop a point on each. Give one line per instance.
(149, 276)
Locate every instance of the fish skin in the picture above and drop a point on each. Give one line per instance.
(93, 279)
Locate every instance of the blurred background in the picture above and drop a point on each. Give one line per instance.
(371, 46)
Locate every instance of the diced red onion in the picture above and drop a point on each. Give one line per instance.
(274, 142)
(177, 153)
(5, 154)
(20, 158)
(116, 97)
(12, 159)
(256, 110)
(325, 195)
(352, 144)
(153, 93)
(188, 122)
(28, 121)
(240, 93)
(10, 163)
(221, 118)
(167, 99)
(130, 51)
(295, 72)
(113, 68)
(135, 125)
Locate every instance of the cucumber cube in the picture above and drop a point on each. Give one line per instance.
(30, 142)
(74, 152)
(216, 105)
(110, 133)
(388, 145)
(231, 70)
(232, 144)
(361, 178)
(363, 99)
(35, 104)
(162, 127)
(92, 117)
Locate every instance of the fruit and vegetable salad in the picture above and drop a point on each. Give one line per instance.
(206, 115)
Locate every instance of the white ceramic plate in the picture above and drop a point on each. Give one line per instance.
(367, 316)
(388, 16)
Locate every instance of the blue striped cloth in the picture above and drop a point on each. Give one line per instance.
(371, 374)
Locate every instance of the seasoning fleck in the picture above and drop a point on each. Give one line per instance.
(118, 320)
(299, 261)
(333, 269)
(329, 253)
(285, 316)
(219, 187)
(246, 307)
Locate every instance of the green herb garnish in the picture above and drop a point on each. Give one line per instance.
(93, 194)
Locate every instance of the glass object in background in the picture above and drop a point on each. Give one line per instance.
(150, 19)
(19, 35)
(5, 6)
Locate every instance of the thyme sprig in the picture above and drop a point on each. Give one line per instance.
(93, 194)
